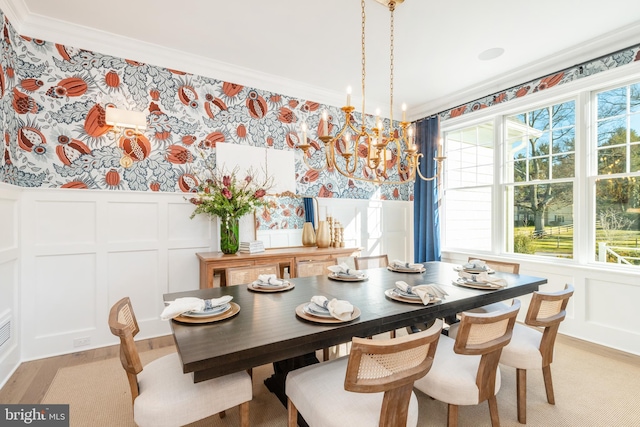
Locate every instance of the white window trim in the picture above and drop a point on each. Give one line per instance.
(584, 208)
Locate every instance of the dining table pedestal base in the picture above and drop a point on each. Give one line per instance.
(276, 382)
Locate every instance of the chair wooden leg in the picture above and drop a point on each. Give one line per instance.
(292, 418)
(325, 354)
(548, 384)
(521, 385)
(452, 415)
(493, 410)
(392, 333)
(244, 414)
(395, 406)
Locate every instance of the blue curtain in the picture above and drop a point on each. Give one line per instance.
(426, 234)
(309, 215)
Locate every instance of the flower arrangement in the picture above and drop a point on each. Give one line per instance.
(228, 197)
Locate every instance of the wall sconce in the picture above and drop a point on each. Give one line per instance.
(127, 124)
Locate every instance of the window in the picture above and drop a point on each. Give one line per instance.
(558, 180)
(617, 186)
(469, 180)
(540, 167)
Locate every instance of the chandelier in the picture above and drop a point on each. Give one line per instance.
(370, 155)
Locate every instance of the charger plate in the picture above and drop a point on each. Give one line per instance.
(406, 270)
(300, 312)
(395, 296)
(235, 309)
(334, 276)
(255, 288)
(477, 285)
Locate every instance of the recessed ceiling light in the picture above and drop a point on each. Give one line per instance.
(490, 54)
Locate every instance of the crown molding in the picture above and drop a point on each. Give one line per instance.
(61, 32)
(611, 42)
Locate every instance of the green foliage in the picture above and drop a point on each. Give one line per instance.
(227, 196)
(523, 243)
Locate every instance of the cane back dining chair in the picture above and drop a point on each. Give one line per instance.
(314, 267)
(375, 261)
(373, 386)
(465, 370)
(249, 273)
(162, 395)
(532, 348)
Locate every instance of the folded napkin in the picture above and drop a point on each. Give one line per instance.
(343, 269)
(403, 264)
(483, 278)
(425, 292)
(475, 264)
(268, 279)
(340, 309)
(186, 304)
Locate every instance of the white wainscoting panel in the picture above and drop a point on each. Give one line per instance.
(132, 222)
(64, 222)
(183, 269)
(91, 248)
(64, 301)
(10, 250)
(603, 309)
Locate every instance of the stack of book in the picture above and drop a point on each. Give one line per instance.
(252, 247)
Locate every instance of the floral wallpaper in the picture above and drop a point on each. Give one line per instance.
(52, 111)
(289, 214)
(607, 62)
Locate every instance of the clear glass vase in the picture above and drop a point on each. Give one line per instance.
(229, 236)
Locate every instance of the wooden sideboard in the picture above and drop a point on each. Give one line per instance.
(212, 262)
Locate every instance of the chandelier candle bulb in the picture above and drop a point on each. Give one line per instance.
(404, 112)
(325, 124)
(348, 96)
(304, 133)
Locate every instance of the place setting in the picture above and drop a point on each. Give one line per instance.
(270, 283)
(406, 267)
(474, 266)
(419, 294)
(322, 310)
(479, 281)
(198, 310)
(344, 273)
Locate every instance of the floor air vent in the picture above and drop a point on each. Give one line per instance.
(5, 332)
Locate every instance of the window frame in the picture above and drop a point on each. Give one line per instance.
(583, 93)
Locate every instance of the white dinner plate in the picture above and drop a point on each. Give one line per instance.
(314, 309)
(214, 311)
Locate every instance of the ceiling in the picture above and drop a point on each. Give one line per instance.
(311, 48)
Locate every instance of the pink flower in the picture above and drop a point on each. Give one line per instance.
(259, 193)
(248, 179)
(226, 181)
(226, 193)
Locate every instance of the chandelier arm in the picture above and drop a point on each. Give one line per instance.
(306, 162)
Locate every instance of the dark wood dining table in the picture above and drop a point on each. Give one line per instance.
(267, 330)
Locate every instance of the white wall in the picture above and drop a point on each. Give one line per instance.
(604, 306)
(67, 255)
(9, 279)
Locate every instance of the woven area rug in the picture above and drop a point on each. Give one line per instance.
(590, 390)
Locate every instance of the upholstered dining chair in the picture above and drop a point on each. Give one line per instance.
(465, 370)
(314, 267)
(503, 266)
(375, 261)
(370, 387)
(532, 348)
(162, 395)
(249, 273)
